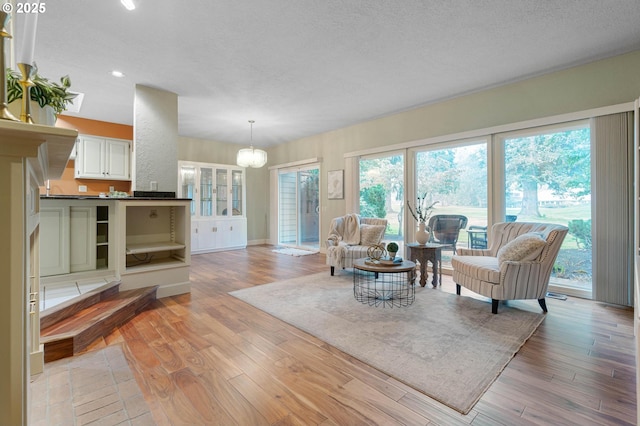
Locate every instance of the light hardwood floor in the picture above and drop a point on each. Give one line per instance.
(208, 358)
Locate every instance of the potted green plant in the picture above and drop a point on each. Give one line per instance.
(392, 249)
(44, 92)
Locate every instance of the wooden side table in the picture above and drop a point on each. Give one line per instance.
(424, 253)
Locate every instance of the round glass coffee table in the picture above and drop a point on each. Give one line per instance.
(378, 284)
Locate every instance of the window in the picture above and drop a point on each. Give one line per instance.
(382, 192)
(547, 178)
(456, 177)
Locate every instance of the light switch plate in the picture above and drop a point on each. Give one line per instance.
(82, 188)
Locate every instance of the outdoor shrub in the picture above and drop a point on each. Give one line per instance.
(372, 201)
(581, 230)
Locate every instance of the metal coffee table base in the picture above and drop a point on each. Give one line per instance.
(386, 286)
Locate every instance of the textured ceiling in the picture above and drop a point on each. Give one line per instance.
(303, 67)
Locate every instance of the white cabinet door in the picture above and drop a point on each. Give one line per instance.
(90, 158)
(208, 230)
(195, 236)
(238, 234)
(82, 238)
(117, 159)
(103, 158)
(54, 240)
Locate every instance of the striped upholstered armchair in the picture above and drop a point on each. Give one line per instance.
(517, 264)
(350, 237)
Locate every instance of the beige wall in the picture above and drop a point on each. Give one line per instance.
(602, 83)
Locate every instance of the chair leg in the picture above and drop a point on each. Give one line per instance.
(458, 289)
(543, 304)
(494, 306)
(333, 269)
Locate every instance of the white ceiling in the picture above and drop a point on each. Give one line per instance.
(304, 67)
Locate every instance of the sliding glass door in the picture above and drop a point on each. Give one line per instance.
(547, 178)
(298, 207)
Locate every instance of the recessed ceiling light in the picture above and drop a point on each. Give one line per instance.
(117, 73)
(128, 4)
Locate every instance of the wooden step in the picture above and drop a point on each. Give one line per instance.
(64, 310)
(77, 331)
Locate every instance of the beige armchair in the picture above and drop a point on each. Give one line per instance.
(350, 237)
(517, 264)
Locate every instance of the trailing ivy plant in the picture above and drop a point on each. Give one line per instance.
(44, 91)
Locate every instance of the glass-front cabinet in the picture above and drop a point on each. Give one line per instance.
(237, 192)
(188, 185)
(206, 191)
(218, 202)
(221, 192)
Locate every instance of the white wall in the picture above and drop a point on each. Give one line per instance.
(155, 133)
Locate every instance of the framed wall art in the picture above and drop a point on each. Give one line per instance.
(335, 184)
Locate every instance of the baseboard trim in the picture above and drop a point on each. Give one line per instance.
(174, 289)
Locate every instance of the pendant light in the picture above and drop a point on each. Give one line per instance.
(251, 157)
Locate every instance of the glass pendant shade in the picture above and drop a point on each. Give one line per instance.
(251, 157)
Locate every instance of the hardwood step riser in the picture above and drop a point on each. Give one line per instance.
(68, 345)
(82, 303)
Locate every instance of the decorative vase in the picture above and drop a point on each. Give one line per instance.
(392, 254)
(41, 115)
(422, 235)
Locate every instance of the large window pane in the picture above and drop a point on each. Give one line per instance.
(456, 178)
(382, 192)
(548, 179)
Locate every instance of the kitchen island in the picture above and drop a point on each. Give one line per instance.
(141, 241)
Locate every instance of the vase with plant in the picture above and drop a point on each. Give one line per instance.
(421, 214)
(47, 94)
(392, 249)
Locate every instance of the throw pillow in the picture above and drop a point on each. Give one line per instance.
(371, 234)
(525, 247)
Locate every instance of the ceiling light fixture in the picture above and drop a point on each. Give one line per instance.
(117, 73)
(251, 157)
(128, 4)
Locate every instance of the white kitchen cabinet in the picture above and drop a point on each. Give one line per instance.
(217, 207)
(209, 235)
(102, 158)
(54, 240)
(82, 238)
(75, 236)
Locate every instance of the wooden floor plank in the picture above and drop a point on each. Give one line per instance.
(208, 358)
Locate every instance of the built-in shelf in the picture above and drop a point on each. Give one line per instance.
(102, 237)
(156, 241)
(153, 247)
(154, 264)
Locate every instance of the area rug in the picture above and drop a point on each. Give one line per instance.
(449, 347)
(293, 251)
